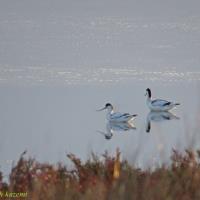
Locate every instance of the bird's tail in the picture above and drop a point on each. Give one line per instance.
(132, 117)
(177, 104)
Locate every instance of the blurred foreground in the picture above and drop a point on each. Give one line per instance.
(107, 178)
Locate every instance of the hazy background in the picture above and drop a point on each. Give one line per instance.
(62, 60)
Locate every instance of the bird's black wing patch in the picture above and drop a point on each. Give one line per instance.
(126, 115)
(122, 115)
(154, 101)
(167, 104)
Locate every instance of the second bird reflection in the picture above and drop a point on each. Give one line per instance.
(158, 117)
(112, 127)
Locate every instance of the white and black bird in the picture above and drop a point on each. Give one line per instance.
(113, 116)
(159, 104)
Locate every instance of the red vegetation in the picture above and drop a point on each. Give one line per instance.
(95, 179)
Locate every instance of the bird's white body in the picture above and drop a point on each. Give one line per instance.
(159, 104)
(116, 116)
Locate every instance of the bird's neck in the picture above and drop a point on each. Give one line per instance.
(110, 111)
(148, 98)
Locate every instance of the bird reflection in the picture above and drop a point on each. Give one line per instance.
(112, 127)
(158, 117)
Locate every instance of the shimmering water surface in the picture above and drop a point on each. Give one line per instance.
(57, 69)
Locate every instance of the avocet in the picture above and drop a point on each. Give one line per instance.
(159, 104)
(113, 116)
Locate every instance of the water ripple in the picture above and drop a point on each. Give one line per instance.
(90, 75)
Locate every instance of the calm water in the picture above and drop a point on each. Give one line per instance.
(56, 70)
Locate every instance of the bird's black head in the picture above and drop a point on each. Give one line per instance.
(148, 92)
(108, 105)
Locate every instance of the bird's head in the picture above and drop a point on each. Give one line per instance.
(107, 106)
(148, 93)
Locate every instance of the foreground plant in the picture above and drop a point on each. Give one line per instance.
(109, 178)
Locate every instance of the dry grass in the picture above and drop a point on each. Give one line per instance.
(97, 179)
